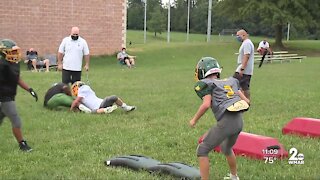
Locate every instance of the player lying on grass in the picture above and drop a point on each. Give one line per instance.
(86, 96)
(227, 102)
(59, 96)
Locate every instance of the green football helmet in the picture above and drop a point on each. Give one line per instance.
(9, 51)
(207, 66)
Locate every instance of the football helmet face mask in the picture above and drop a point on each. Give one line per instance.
(207, 66)
(10, 51)
(75, 87)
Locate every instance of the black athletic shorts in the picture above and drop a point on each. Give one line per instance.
(244, 80)
(70, 76)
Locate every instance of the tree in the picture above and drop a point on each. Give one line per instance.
(275, 13)
(179, 15)
(268, 18)
(314, 28)
(135, 14)
(157, 21)
(199, 16)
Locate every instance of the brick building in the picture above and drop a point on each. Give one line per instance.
(42, 24)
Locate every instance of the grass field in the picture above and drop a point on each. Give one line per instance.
(74, 145)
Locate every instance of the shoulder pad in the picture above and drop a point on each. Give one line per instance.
(200, 85)
(202, 89)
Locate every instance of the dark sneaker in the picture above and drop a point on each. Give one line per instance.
(24, 146)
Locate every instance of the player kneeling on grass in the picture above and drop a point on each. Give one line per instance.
(227, 102)
(85, 95)
(59, 95)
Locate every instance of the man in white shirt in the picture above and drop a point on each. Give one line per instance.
(245, 62)
(264, 47)
(71, 52)
(86, 96)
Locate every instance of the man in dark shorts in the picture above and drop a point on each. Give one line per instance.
(245, 62)
(72, 50)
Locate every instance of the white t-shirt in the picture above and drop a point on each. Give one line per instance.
(89, 97)
(121, 55)
(263, 44)
(73, 51)
(246, 47)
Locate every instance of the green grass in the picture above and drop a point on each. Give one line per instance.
(74, 145)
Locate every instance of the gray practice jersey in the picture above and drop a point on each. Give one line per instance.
(224, 93)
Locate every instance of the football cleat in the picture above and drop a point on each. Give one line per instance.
(110, 109)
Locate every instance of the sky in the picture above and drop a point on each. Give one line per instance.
(165, 1)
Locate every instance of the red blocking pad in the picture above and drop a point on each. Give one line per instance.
(256, 146)
(303, 126)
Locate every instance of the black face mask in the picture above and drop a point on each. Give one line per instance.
(74, 38)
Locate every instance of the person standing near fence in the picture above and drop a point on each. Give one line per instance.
(245, 61)
(71, 52)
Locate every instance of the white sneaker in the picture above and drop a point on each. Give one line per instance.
(129, 108)
(231, 177)
(83, 108)
(110, 109)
